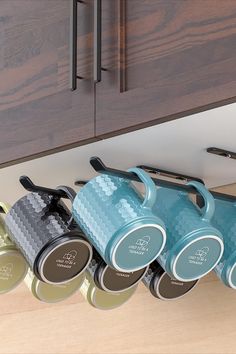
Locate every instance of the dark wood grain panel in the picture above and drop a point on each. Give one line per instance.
(33, 32)
(47, 125)
(38, 112)
(176, 58)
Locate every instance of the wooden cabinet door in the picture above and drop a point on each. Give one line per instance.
(164, 59)
(38, 111)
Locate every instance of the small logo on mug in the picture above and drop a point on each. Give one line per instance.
(199, 256)
(140, 247)
(202, 253)
(6, 271)
(70, 256)
(144, 241)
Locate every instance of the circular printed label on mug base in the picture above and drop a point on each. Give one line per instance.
(168, 288)
(115, 281)
(138, 248)
(65, 261)
(13, 268)
(197, 258)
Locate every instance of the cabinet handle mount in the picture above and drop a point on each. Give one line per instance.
(73, 44)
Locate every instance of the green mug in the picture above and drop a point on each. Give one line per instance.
(101, 299)
(13, 266)
(52, 293)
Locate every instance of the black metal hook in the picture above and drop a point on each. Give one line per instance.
(176, 176)
(81, 182)
(100, 167)
(221, 152)
(169, 174)
(28, 184)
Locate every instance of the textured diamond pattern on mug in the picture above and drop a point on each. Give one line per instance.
(180, 220)
(225, 220)
(31, 236)
(117, 212)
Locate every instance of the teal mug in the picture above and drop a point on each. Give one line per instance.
(225, 220)
(193, 246)
(119, 221)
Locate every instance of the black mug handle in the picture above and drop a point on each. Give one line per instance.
(58, 193)
(68, 192)
(71, 194)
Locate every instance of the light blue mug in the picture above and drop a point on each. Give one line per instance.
(225, 220)
(119, 222)
(193, 246)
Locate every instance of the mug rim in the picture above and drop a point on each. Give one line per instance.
(113, 251)
(18, 255)
(156, 285)
(228, 275)
(95, 289)
(35, 288)
(43, 255)
(100, 278)
(173, 266)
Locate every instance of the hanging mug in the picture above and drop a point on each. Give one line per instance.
(119, 222)
(13, 266)
(110, 279)
(103, 300)
(193, 246)
(225, 220)
(52, 293)
(42, 227)
(162, 286)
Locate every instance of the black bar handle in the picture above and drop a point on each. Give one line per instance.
(97, 41)
(100, 167)
(73, 44)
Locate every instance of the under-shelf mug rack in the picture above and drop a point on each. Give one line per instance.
(168, 179)
(100, 167)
